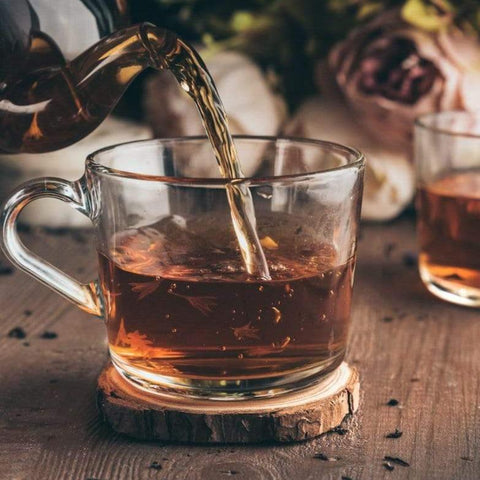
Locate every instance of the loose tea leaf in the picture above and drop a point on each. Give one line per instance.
(409, 259)
(17, 332)
(393, 402)
(346, 478)
(396, 460)
(48, 335)
(468, 459)
(245, 332)
(27, 313)
(388, 466)
(396, 434)
(5, 269)
(229, 472)
(339, 430)
(145, 288)
(155, 466)
(387, 319)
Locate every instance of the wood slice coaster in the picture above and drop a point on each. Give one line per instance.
(290, 417)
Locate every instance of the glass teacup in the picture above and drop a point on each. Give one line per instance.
(182, 314)
(447, 156)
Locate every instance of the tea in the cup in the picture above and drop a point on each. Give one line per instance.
(449, 231)
(182, 310)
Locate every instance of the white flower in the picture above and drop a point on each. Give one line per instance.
(251, 105)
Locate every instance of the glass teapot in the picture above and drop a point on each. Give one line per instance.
(47, 102)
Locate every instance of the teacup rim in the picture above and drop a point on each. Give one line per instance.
(97, 167)
(421, 122)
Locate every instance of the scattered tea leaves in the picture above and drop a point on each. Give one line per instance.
(17, 332)
(5, 269)
(204, 304)
(388, 466)
(467, 459)
(387, 319)
(27, 313)
(47, 335)
(396, 460)
(155, 465)
(409, 259)
(339, 430)
(393, 402)
(298, 230)
(346, 478)
(396, 434)
(229, 472)
(245, 332)
(145, 288)
(26, 344)
(269, 243)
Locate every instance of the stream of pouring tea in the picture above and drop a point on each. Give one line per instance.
(53, 107)
(193, 76)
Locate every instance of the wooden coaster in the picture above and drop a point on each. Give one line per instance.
(290, 417)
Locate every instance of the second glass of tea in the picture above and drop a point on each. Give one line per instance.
(447, 156)
(182, 313)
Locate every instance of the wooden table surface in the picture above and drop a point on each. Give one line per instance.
(407, 345)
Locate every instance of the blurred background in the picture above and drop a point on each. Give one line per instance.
(352, 71)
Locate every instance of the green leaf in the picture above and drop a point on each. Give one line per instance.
(369, 9)
(242, 21)
(429, 15)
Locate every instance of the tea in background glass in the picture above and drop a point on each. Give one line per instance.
(447, 156)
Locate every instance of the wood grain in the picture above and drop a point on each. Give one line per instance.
(406, 344)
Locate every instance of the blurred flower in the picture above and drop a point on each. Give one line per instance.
(251, 105)
(389, 176)
(406, 62)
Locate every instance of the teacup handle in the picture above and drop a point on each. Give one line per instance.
(85, 295)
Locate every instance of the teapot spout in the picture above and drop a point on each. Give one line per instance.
(53, 107)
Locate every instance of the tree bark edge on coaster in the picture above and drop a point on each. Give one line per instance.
(290, 417)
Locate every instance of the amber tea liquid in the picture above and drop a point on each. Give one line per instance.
(449, 232)
(208, 320)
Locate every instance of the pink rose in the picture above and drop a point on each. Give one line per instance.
(391, 71)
